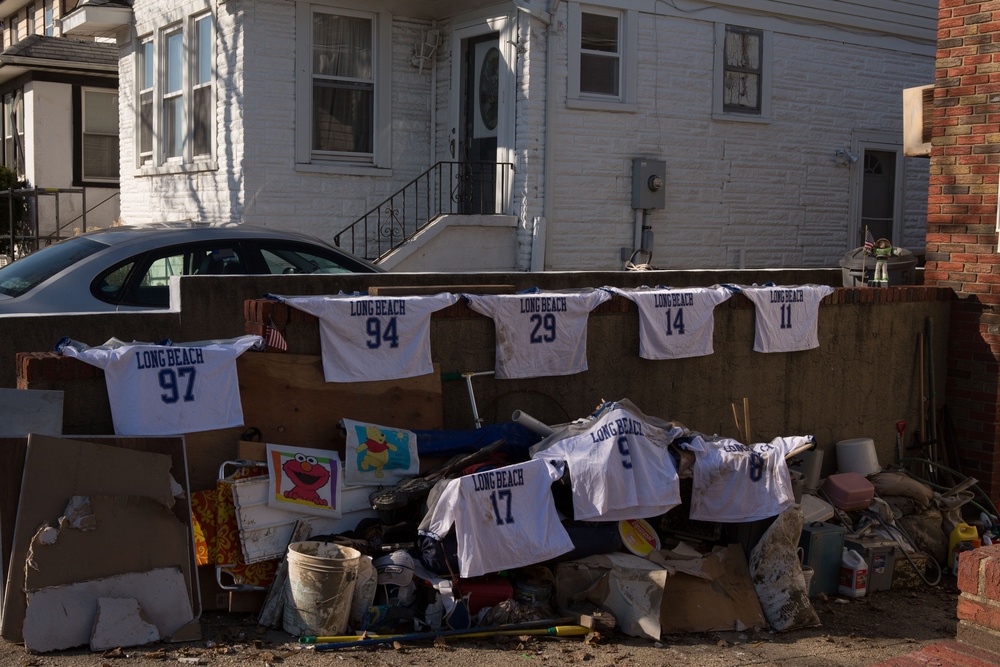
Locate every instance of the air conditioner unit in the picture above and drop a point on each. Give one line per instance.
(918, 120)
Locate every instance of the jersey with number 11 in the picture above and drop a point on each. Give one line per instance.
(365, 338)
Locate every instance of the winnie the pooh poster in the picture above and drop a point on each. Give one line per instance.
(379, 455)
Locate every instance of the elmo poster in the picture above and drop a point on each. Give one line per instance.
(304, 480)
(379, 455)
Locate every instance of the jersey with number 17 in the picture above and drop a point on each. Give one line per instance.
(365, 338)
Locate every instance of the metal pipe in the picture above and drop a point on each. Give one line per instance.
(531, 423)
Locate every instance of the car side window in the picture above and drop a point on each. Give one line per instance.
(151, 287)
(108, 286)
(285, 259)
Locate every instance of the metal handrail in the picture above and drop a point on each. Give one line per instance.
(462, 188)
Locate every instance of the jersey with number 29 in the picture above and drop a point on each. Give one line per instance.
(365, 338)
(168, 389)
(786, 317)
(539, 334)
(504, 518)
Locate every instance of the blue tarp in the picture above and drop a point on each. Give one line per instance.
(517, 439)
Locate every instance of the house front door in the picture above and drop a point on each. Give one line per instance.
(480, 119)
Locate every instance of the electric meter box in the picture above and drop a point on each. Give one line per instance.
(649, 183)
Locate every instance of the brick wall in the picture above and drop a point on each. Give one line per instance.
(979, 599)
(961, 224)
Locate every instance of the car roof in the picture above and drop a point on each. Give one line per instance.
(204, 230)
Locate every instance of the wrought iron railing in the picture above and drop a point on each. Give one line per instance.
(463, 188)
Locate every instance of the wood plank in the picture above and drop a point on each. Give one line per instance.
(287, 398)
(11, 469)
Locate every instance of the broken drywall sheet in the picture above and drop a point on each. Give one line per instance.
(129, 534)
(57, 469)
(121, 622)
(63, 617)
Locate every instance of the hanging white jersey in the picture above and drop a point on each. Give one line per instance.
(619, 467)
(539, 334)
(675, 323)
(168, 389)
(504, 518)
(366, 338)
(734, 483)
(786, 317)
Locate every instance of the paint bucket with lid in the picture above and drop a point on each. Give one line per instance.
(532, 592)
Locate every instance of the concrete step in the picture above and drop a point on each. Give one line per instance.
(948, 653)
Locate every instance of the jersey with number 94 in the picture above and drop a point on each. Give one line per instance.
(365, 338)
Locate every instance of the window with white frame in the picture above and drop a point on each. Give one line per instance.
(13, 131)
(49, 22)
(742, 76)
(602, 57)
(29, 19)
(144, 79)
(100, 135)
(346, 80)
(175, 82)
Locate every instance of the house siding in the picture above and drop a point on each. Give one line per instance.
(765, 194)
(737, 193)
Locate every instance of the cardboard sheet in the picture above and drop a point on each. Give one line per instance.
(56, 469)
(24, 411)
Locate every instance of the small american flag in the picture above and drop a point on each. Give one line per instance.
(273, 337)
(869, 241)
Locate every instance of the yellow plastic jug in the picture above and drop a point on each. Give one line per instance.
(963, 533)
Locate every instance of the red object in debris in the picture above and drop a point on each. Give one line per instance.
(486, 591)
(848, 491)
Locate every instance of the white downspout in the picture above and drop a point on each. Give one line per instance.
(538, 248)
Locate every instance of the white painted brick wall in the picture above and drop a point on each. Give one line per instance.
(771, 190)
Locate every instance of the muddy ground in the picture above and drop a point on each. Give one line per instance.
(861, 631)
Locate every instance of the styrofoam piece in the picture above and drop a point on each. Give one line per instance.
(815, 508)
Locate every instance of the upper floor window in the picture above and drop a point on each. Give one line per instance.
(741, 73)
(603, 58)
(29, 19)
(176, 93)
(13, 131)
(100, 135)
(48, 18)
(347, 119)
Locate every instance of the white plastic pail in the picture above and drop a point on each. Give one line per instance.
(857, 455)
(321, 580)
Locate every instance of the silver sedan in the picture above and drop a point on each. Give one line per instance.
(129, 268)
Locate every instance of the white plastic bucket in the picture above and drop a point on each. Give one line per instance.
(853, 574)
(320, 587)
(857, 455)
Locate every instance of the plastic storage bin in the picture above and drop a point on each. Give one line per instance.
(848, 491)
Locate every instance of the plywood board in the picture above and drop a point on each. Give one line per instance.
(56, 469)
(24, 411)
(287, 398)
(11, 467)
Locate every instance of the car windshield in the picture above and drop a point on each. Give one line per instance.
(19, 277)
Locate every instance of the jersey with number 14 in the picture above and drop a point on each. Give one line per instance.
(539, 334)
(675, 323)
(786, 317)
(504, 518)
(365, 338)
(168, 389)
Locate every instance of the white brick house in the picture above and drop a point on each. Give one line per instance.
(776, 129)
